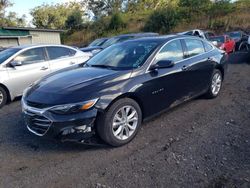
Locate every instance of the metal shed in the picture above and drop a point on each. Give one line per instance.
(14, 36)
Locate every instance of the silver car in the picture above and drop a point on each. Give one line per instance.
(22, 65)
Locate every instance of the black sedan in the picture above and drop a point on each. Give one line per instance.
(123, 85)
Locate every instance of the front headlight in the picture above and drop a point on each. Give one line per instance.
(73, 108)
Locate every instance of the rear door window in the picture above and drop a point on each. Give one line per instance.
(59, 52)
(172, 51)
(207, 46)
(194, 47)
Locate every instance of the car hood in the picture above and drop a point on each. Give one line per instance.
(73, 85)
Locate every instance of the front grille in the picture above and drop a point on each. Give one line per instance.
(37, 123)
(37, 105)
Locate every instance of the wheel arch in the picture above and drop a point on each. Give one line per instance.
(7, 91)
(221, 69)
(131, 96)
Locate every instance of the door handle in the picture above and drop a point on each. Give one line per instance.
(44, 68)
(185, 67)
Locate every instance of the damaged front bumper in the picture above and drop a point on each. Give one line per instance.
(73, 127)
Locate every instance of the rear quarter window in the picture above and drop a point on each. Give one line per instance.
(194, 47)
(207, 46)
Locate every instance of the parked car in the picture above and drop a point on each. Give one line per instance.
(121, 86)
(199, 33)
(241, 39)
(95, 46)
(22, 65)
(224, 42)
(96, 49)
(2, 49)
(98, 42)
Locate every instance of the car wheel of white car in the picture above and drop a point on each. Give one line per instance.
(3, 97)
(120, 123)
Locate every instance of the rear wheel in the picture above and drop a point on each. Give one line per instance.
(215, 85)
(120, 123)
(3, 97)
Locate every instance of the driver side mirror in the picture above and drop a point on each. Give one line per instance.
(162, 64)
(15, 63)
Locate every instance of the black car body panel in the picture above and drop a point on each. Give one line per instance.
(68, 85)
(154, 90)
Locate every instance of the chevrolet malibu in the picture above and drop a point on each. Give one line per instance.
(123, 85)
(20, 66)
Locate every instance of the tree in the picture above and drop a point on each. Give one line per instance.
(116, 22)
(142, 5)
(105, 7)
(220, 8)
(54, 16)
(192, 8)
(162, 21)
(4, 4)
(10, 19)
(74, 20)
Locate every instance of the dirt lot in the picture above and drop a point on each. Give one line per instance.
(203, 143)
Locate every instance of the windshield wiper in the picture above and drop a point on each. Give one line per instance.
(103, 66)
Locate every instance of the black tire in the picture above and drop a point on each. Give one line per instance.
(210, 94)
(3, 97)
(105, 122)
(244, 47)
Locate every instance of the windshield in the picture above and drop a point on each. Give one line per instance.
(97, 42)
(4, 55)
(219, 39)
(123, 56)
(235, 35)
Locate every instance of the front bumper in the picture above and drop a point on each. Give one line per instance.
(73, 127)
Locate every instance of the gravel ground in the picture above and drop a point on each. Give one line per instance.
(203, 143)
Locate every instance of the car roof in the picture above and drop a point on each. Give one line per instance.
(161, 38)
(224, 35)
(239, 31)
(38, 45)
(136, 35)
(102, 38)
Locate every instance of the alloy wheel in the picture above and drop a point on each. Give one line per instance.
(216, 84)
(1, 97)
(125, 122)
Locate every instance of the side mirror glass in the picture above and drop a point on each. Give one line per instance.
(162, 64)
(16, 63)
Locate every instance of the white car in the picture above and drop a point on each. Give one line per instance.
(199, 33)
(22, 65)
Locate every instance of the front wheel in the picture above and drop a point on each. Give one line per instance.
(119, 125)
(3, 97)
(215, 85)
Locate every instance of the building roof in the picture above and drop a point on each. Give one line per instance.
(13, 33)
(32, 29)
